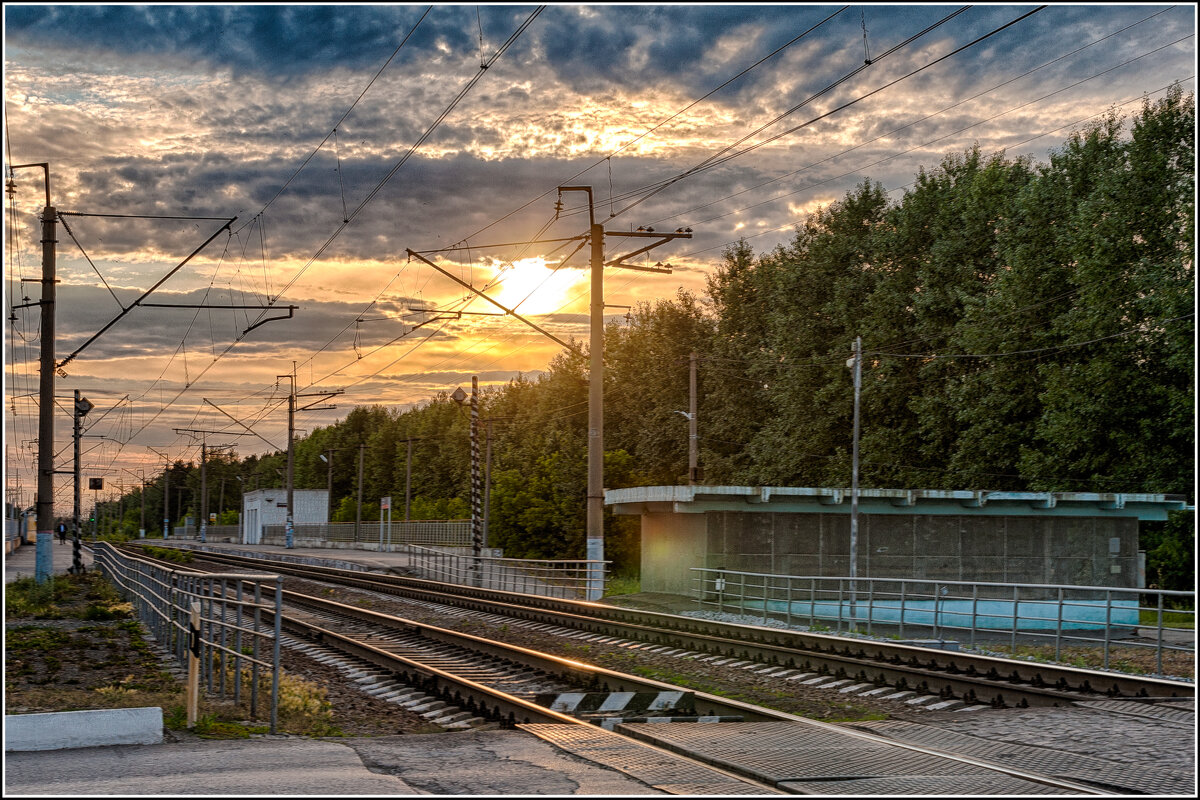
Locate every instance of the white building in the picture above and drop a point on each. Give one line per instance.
(269, 507)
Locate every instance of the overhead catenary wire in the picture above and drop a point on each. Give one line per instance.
(929, 116)
(725, 154)
(661, 123)
(361, 94)
(408, 154)
(271, 301)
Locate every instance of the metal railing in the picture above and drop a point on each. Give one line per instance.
(564, 579)
(383, 535)
(212, 533)
(234, 645)
(1069, 615)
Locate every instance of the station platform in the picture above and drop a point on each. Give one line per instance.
(21, 560)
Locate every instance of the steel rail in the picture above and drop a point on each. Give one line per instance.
(972, 677)
(515, 710)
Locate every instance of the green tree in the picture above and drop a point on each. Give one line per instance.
(1118, 398)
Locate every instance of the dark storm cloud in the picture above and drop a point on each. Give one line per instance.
(85, 310)
(268, 41)
(589, 48)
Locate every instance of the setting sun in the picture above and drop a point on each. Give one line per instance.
(531, 286)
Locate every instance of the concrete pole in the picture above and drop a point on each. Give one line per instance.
(44, 555)
(362, 448)
(143, 531)
(595, 450)
(329, 490)
(167, 500)
(408, 481)
(291, 465)
(487, 483)
(693, 436)
(204, 492)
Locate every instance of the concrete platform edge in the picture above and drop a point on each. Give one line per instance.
(64, 730)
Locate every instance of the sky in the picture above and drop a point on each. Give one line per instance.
(313, 146)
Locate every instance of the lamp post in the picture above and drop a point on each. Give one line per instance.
(855, 362)
(329, 501)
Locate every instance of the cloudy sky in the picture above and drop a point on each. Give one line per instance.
(315, 145)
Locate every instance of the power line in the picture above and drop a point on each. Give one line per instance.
(894, 131)
(333, 132)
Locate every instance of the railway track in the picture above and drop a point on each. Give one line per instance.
(460, 680)
(952, 678)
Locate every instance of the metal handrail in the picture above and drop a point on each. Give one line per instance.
(231, 606)
(1068, 614)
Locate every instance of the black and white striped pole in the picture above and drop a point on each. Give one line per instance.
(476, 481)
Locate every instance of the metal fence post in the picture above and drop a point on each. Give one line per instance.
(812, 602)
(237, 645)
(222, 655)
(789, 602)
(1107, 624)
(974, 611)
(255, 675)
(1016, 605)
(275, 655)
(1159, 647)
(870, 605)
(1058, 627)
(840, 589)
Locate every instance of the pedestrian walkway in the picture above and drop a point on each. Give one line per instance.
(22, 562)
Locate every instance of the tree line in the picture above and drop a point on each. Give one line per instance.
(1024, 326)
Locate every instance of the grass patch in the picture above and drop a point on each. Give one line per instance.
(71, 644)
(171, 554)
(1184, 620)
(622, 585)
(25, 597)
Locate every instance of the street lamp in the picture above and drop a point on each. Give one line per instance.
(854, 362)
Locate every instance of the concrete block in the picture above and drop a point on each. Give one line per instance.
(71, 729)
